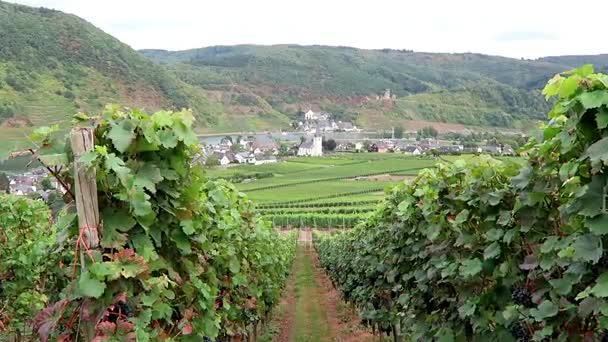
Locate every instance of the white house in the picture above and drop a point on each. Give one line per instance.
(225, 160)
(311, 116)
(412, 150)
(313, 148)
(262, 159)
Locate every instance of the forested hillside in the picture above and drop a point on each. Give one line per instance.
(471, 89)
(54, 64)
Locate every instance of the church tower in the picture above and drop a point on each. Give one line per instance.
(317, 145)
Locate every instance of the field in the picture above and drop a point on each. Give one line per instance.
(332, 191)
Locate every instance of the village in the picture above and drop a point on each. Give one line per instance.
(258, 150)
(262, 149)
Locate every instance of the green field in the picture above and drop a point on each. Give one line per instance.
(325, 192)
(333, 190)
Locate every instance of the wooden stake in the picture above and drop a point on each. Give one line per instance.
(85, 187)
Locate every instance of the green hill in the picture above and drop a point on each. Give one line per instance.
(471, 89)
(54, 64)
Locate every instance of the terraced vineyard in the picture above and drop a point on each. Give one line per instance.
(333, 191)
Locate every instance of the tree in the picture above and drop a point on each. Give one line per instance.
(5, 184)
(46, 184)
(428, 132)
(236, 148)
(212, 160)
(284, 150)
(329, 145)
(398, 132)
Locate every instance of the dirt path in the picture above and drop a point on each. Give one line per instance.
(311, 308)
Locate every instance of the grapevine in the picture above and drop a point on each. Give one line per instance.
(510, 252)
(180, 256)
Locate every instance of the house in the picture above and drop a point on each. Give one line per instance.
(412, 150)
(450, 149)
(226, 141)
(311, 116)
(507, 150)
(491, 149)
(383, 147)
(261, 146)
(224, 161)
(346, 126)
(263, 159)
(312, 148)
(245, 158)
(472, 149)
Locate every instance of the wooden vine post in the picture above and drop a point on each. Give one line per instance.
(82, 141)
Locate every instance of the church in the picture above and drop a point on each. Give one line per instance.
(312, 148)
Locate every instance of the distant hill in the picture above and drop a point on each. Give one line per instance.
(53, 65)
(471, 89)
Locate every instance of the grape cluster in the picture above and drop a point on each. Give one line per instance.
(520, 332)
(118, 311)
(522, 296)
(429, 303)
(604, 337)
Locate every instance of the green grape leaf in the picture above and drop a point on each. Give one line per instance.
(598, 225)
(162, 119)
(105, 270)
(167, 139)
(234, 265)
(88, 158)
(553, 86)
(602, 118)
(121, 135)
(492, 251)
(593, 99)
(470, 268)
(546, 309)
(568, 87)
(601, 286)
(494, 234)
(90, 287)
(148, 176)
(118, 219)
(598, 151)
(144, 247)
(587, 248)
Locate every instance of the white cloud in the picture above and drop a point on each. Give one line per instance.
(515, 28)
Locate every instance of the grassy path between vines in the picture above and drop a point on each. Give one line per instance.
(311, 309)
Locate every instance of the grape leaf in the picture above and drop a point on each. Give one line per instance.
(89, 287)
(601, 287)
(121, 135)
(546, 309)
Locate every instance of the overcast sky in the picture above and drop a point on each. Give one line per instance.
(514, 28)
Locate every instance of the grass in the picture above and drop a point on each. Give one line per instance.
(311, 323)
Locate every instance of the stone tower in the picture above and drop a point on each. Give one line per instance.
(317, 145)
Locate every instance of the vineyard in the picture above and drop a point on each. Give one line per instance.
(485, 250)
(335, 191)
(175, 256)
